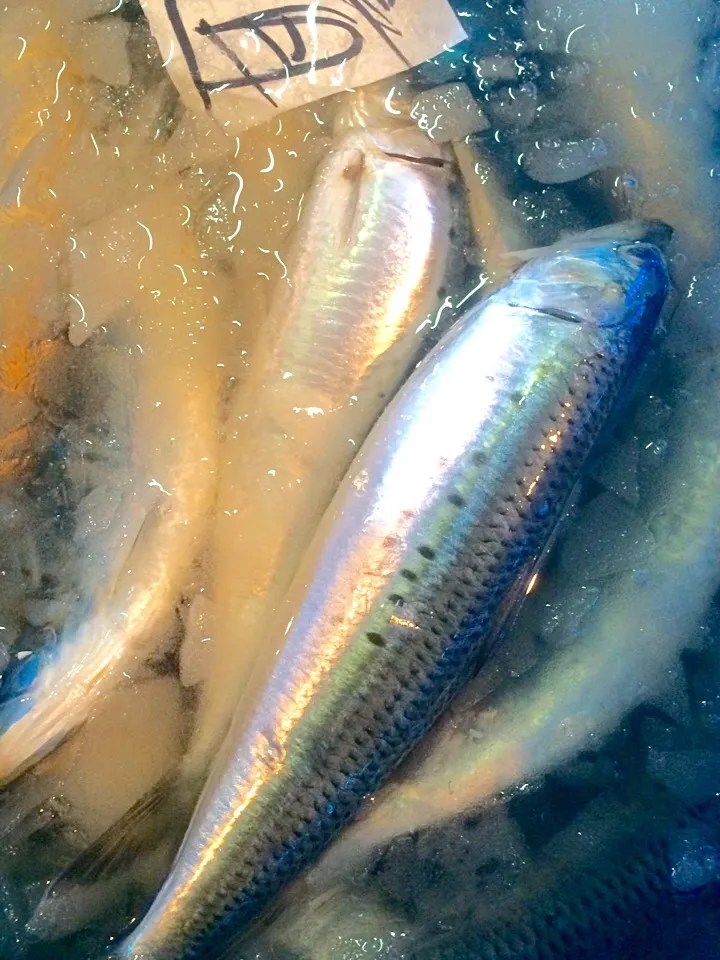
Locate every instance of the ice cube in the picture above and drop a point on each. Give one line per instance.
(695, 859)
(710, 74)
(121, 752)
(449, 113)
(51, 612)
(553, 160)
(196, 648)
(101, 50)
(607, 538)
(338, 926)
(513, 106)
(560, 622)
(692, 775)
(446, 68)
(548, 214)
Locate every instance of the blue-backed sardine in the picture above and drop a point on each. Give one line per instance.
(442, 517)
(627, 645)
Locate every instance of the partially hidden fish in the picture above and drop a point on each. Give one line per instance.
(626, 900)
(616, 882)
(40, 115)
(435, 531)
(144, 525)
(355, 302)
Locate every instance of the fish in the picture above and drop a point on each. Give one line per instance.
(634, 884)
(141, 527)
(430, 539)
(40, 115)
(630, 639)
(355, 304)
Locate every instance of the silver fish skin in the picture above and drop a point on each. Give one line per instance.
(146, 518)
(433, 533)
(368, 258)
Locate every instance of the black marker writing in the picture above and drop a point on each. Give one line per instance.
(293, 64)
(278, 30)
(380, 23)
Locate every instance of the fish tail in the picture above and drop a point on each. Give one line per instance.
(141, 843)
(123, 842)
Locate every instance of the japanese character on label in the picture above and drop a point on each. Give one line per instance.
(242, 62)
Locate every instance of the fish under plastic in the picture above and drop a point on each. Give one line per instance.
(435, 530)
(636, 877)
(616, 882)
(144, 521)
(349, 319)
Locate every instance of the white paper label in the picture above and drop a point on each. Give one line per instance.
(244, 61)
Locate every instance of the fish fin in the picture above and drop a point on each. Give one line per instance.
(514, 259)
(112, 880)
(140, 828)
(509, 610)
(251, 935)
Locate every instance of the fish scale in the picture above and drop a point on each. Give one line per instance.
(428, 545)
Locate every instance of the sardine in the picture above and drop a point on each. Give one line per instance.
(432, 536)
(605, 886)
(37, 117)
(356, 299)
(143, 534)
(629, 641)
(632, 884)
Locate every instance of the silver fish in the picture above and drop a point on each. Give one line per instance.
(358, 301)
(629, 642)
(608, 880)
(431, 537)
(145, 521)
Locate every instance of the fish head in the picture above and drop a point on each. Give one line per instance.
(17, 685)
(369, 170)
(617, 287)
(362, 154)
(381, 220)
